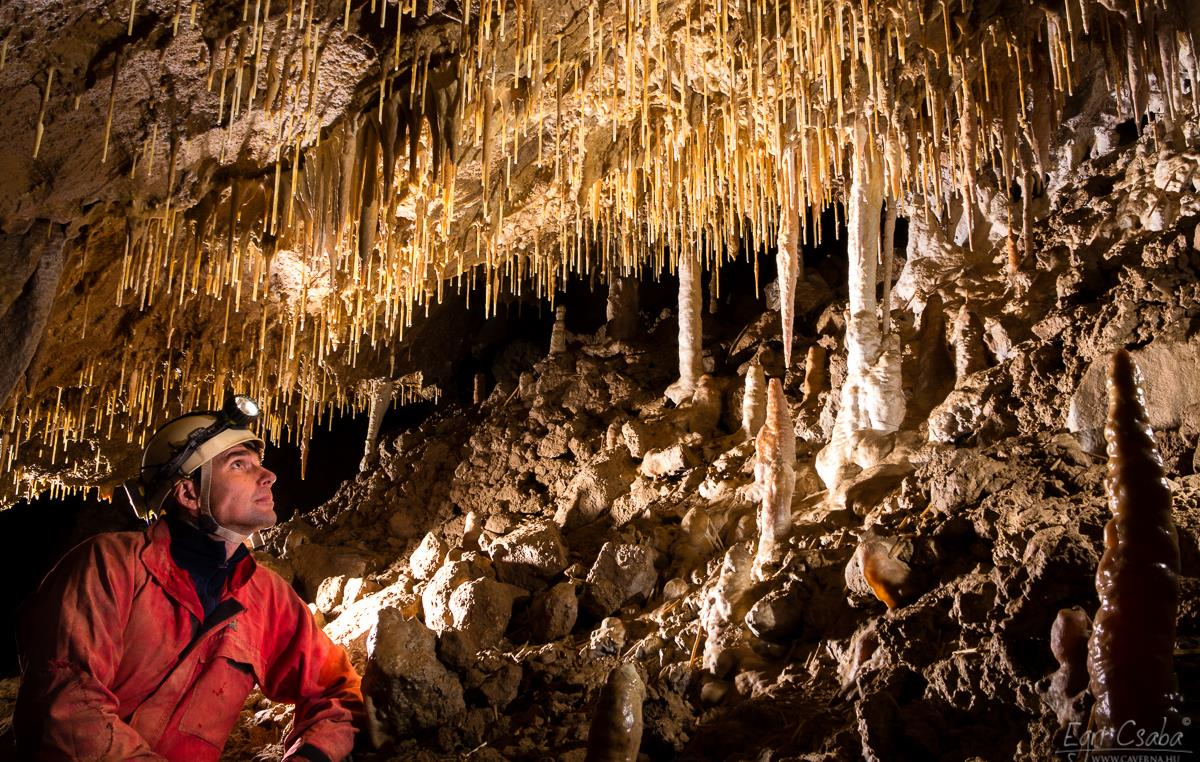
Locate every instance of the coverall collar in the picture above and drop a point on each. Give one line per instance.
(156, 556)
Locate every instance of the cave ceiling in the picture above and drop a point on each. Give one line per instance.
(290, 198)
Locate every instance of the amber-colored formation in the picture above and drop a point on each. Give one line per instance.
(887, 576)
(1130, 654)
(1069, 644)
(616, 733)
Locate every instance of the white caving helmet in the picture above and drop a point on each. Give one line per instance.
(185, 444)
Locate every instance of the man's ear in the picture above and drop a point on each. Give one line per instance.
(186, 495)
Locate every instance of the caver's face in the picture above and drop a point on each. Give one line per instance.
(240, 498)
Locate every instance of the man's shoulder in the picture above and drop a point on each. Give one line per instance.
(112, 544)
(266, 579)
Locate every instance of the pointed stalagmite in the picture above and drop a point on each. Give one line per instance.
(1131, 650)
(754, 401)
(775, 475)
(691, 358)
(616, 732)
(480, 390)
(814, 375)
(621, 309)
(558, 334)
(381, 397)
(969, 354)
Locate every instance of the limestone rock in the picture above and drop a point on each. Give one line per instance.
(1170, 381)
(356, 621)
(643, 436)
(329, 594)
(529, 555)
(863, 491)
(594, 489)
(621, 572)
(427, 558)
(435, 598)
(778, 617)
(667, 462)
(480, 610)
(608, 638)
(407, 688)
(553, 613)
(880, 569)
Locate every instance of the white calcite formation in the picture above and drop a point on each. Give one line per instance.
(787, 253)
(691, 356)
(871, 396)
(754, 401)
(775, 476)
(379, 392)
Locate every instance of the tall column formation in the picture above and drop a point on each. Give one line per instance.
(1131, 651)
(871, 395)
(775, 474)
(787, 253)
(691, 357)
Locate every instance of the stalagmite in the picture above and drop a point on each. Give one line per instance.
(754, 401)
(775, 476)
(1131, 650)
(787, 256)
(616, 732)
(558, 333)
(691, 359)
(380, 391)
(479, 393)
(967, 339)
(1068, 642)
(723, 610)
(621, 309)
(815, 380)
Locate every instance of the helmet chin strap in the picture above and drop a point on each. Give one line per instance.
(205, 520)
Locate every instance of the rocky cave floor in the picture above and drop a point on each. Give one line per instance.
(610, 527)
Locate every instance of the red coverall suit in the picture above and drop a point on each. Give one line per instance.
(117, 665)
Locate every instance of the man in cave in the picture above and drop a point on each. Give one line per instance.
(144, 645)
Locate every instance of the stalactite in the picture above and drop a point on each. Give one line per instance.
(380, 391)
(1131, 650)
(775, 476)
(787, 254)
(754, 401)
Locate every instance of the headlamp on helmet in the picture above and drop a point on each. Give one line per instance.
(186, 443)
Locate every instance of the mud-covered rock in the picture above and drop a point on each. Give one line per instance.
(407, 688)
(620, 572)
(529, 555)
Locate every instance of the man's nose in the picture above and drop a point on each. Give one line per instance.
(267, 477)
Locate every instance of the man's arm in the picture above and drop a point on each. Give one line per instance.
(71, 644)
(306, 668)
